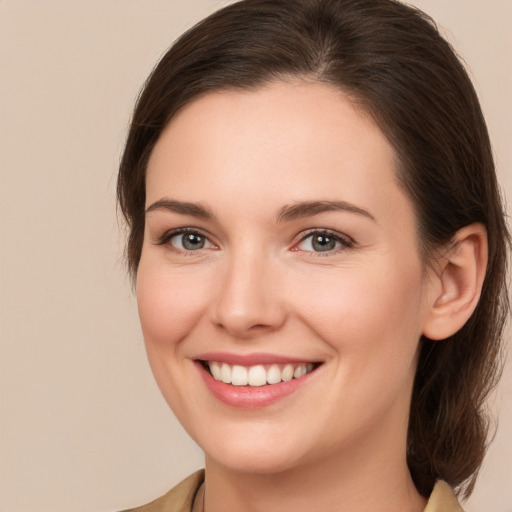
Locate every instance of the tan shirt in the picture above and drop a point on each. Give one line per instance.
(181, 498)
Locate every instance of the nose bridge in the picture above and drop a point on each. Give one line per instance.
(250, 298)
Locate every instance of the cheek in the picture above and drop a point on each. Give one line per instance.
(365, 310)
(371, 322)
(169, 304)
(169, 307)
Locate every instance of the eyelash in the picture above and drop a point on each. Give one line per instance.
(344, 241)
(169, 235)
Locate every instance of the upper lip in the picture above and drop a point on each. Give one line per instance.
(251, 359)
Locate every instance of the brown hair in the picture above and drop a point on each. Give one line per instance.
(391, 59)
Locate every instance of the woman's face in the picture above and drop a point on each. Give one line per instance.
(278, 242)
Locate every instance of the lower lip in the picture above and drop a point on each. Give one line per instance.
(248, 397)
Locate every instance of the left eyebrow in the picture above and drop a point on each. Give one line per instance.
(310, 208)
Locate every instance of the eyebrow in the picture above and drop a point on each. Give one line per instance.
(310, 208)
(183, 208)
(286, 213)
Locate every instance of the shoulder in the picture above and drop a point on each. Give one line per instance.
(178, 499)
(443, 499)
(181, 498)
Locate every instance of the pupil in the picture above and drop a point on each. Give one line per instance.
(192, 242)
(324, 243)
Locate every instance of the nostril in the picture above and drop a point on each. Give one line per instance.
(261, 326)
(244, 328)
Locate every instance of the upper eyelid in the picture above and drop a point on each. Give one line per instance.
(336, 234)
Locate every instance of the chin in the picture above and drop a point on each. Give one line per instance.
(244, 455)
(254, 463)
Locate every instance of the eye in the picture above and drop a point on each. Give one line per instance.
(323, 241)
(186, 240)
(189, 241)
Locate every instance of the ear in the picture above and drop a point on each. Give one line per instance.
(457, 283)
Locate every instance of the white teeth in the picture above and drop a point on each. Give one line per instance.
(239, 376)
(299, 371)
(225, 373)
(274, 374)
(216, 372)
(287, 373)
(257, 375)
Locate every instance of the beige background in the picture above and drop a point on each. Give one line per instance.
(82, 425)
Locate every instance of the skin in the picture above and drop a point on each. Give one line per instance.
(258, 286)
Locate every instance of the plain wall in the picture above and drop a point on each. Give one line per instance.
(82, 425)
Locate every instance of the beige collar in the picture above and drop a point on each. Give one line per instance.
(181, 498)
(443, 499)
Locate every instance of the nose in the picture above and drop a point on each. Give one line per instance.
(250, 297)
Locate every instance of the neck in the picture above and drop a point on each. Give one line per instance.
(359, 480)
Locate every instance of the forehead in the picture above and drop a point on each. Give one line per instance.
(286, 125)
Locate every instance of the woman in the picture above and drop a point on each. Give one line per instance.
(319, 251)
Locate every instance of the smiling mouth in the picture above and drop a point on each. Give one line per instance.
(257, 375)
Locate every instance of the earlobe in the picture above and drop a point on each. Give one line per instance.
(458, 283)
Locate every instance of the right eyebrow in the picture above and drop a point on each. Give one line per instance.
(181, 207)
